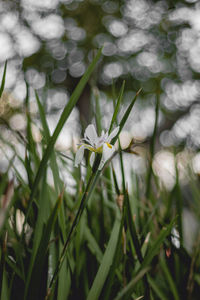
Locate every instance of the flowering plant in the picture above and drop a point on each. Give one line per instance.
(96, 144)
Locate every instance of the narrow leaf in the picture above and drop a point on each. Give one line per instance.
(128, 290)
(157, 243)
(105, 264)
(125, 117)
(64, 116)
(155, 287)
(32, 286)
(169, 279)
(114, 117)
(3, 79)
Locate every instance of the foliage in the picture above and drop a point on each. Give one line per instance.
(101, 241)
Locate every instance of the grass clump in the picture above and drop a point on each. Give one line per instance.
(101, 241)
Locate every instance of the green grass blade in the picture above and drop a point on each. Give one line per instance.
(125, 117)
(128, 290)
(115, 182)
(4, 292)
(3, 246)
(43, 213)
(155, 287)
(132, 229)
(86, 196)
(42, 118)
(92, 244)
(119, 100)
(116, 259)
(169, 278)
(106, 263)
(64, 116)
(152, 145)
(136, 242)
(155, 247)
(3, 79)
(31, 144)
(97, 112)
(14, 267)
(64, 277)
(54, 167)
(32, 285)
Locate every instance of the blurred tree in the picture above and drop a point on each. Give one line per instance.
(147, 43)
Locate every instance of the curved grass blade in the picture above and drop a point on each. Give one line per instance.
(57, 182)
(106, 263)
(97, 112)
(155, 287)
(125, 117)
(152, 145)
(3, 251)
(88, 191)
(92, 244)
(169, 279)
(4, 291)
(119, 100)
(33, 282)
(136, 242)
(3, 79)
(129, 289)
(64, 116)
(156, 245)
(116, 259)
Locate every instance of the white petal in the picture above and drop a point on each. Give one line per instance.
(107, 153)
(92, 158)
(79, 155)
(90, 134)
(113, 134)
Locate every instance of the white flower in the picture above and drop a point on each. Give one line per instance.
(96, 144)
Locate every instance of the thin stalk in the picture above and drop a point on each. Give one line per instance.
(132, 228)
(89, 188)
(152, 145)
(63, 118)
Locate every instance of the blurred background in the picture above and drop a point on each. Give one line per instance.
(153, 45)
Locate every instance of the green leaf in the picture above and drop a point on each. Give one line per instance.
(152, 145)
(169, 279)
(97, 111)
(64, 276)
(31, 144)
(155, 287)
(64, 116)
(3, 79)
(54, 167)
(86, 196)
(4, 292)
(128, 290)
(106, 263)
(33, 283)
(125, 117)
(45, 127)
(115, 182)
(132, 229)
(155, 247)
(119, 100)
(92, 244)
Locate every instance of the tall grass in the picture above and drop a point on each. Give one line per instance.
(101, 241)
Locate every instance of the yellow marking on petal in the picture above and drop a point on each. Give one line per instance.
(99, 150)
(109, 145)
